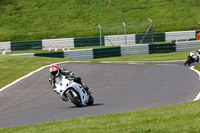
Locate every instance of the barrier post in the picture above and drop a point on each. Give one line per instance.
(100, 29)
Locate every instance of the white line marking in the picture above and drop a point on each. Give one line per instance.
(31, 73)
(142, 61)
(198, 96)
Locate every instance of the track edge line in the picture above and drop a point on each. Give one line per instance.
(198, 95)
(31, 73)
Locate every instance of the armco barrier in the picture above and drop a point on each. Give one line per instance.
(88, 41)
(52, 54)
(159, 37)
(162, 48)
(106, 52)
(169, 36)
(110, 40)
(5, 46)
(123, 50)
(142, 38)
(119, 39)
(150, 37)
(26, 54)
(79, 54)
(26, 45)
(66, 42)
(135, 49)
(190, 45)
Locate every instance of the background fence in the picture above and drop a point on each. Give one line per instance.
(123, 50)
(110, 40)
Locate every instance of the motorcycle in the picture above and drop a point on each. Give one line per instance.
(192, 58)
(73, 91)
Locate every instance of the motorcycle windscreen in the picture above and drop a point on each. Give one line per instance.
(59, 79)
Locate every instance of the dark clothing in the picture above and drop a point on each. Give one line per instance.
(68, 74)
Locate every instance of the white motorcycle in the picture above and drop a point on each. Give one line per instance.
(192, 58)
(72, 91)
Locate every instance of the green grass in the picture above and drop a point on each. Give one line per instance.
(53, 50)
(149, 57)
(181, 118)
(34, 20)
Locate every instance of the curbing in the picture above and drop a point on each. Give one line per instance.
(198, 96)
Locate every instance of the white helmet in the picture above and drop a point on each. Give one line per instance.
(54, 70)
(199, 51)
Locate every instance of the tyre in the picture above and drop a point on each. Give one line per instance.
(188, 61)
(91, 100)
(76, 100)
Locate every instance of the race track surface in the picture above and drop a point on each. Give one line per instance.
(115, 88)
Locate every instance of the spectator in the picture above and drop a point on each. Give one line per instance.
(198, 36)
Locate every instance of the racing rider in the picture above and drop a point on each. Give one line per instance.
(55, 72)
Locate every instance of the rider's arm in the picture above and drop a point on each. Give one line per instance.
(65, 72)
(52, 81)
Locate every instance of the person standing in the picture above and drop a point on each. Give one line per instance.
(198, 36)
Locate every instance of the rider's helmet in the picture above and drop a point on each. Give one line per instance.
(54, 70)
(198, 51)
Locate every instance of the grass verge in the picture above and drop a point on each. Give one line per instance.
(33, 20)
(184, 118)
(149, 57)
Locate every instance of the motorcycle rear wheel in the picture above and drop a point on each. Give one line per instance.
(91, 100)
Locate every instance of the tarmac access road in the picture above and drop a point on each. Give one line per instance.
(115, 88)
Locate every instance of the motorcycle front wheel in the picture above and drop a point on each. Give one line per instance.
(188, 61)
(76, 100)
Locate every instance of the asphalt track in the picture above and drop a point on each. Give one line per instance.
(115, 88)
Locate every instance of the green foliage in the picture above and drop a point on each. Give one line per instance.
(34, 20)
(197, 67)
(182, 118)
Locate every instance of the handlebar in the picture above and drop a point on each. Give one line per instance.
(70, 78)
